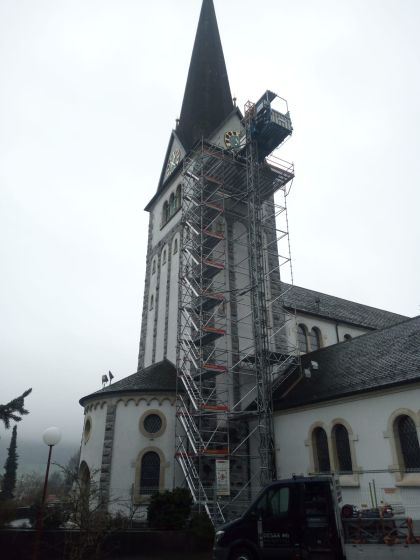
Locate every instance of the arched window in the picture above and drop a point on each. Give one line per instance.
(302, 338)
(175, 251)
(152, 302)
(84, 473)
(342, 449)
(165, 213)
(154, 266)
(347, 337)
(172, 205)
(164, 256)
(149, 473)
(178, 197)
(84, 478)
(408, 443)
(321, 453)
(315, 336)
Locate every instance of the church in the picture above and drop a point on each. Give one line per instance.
(242, 376)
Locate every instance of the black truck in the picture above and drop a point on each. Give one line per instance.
(300, 519)
(294, 518)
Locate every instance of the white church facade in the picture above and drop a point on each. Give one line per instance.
(351, 407)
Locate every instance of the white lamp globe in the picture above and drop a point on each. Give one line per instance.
(51, 436)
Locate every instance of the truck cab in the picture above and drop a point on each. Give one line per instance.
(293, 519)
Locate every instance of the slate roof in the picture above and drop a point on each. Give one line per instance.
(343, 310)
(157, 378)
(377, 360)
(207, 98)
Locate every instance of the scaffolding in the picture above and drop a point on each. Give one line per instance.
(233, 335)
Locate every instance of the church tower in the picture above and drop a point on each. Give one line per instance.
(207, 103)
(215, 339)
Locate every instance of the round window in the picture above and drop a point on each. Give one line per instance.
(152, 423)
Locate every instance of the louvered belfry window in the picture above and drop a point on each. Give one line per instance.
(409, 443)
(342, 448)
(320, 444)
(150, 473)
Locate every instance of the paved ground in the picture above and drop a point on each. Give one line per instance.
(383, 552)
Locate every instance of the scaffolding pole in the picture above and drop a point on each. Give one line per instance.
(233, 346)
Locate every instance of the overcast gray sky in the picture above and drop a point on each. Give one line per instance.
(89, 92)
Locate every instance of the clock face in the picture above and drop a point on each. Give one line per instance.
(233, 139)
(173, 161)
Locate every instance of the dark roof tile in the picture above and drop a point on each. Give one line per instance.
(157, 378)
(331, 307)
(376, 360)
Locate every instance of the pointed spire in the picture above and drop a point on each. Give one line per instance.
(207, 98)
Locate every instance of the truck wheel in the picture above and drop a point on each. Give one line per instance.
(242, 553)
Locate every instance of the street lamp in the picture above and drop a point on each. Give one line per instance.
(51, 437)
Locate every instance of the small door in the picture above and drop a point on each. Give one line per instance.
(276, 530)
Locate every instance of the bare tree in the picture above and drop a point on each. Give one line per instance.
(85, 512)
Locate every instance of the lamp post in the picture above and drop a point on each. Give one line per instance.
(51, 437)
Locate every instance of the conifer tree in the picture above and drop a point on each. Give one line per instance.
(10, 467)
(14, 409)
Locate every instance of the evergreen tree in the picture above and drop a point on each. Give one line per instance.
(14, 409)
(10, 467)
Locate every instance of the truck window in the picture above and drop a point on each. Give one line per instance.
(274, 503)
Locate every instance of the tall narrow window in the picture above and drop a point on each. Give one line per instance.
(164, 256)
(321, 453)
(154, 266)
(302, 338)
(84, 478)
(342, 449)
(178, 197)
(84, 475)
(175, 251)
(152, 302)
(172, 204)
(165, 213)
(315, 336)
(408, 443)
(149, 473)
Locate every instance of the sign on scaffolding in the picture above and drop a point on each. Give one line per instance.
(222, 477)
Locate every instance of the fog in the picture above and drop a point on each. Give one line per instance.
(90, 91)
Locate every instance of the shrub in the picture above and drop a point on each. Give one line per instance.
(169, 510)
(7, 512)
(202, 530)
